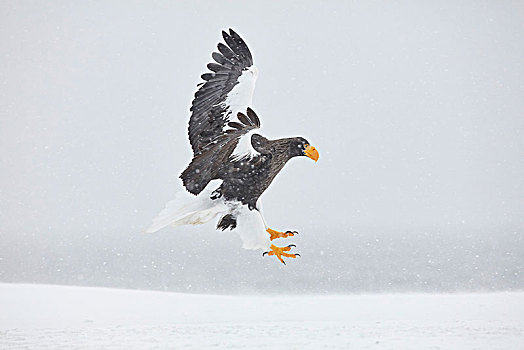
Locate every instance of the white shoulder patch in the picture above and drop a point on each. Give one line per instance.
(244, 148)
(238, 100)
(241, 96)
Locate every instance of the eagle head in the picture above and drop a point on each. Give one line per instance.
(299, 146)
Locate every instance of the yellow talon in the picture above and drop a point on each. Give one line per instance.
(280, 252)
(277, 234)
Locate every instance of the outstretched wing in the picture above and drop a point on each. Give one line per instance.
(227, 90)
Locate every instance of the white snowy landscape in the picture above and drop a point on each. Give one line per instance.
(411, 223)
(58, 317)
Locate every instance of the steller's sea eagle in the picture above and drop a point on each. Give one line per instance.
(232, 164)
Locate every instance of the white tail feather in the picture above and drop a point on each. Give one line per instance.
(187, 209)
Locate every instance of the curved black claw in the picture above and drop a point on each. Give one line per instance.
(291, 245)
(264, 253)
(293, 232)
(296, 254)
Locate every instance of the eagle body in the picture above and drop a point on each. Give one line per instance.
(233, 164)
(246, 179)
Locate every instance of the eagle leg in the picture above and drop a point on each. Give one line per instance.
(280, 252)
(277, 234)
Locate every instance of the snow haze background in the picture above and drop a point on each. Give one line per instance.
(415, 107)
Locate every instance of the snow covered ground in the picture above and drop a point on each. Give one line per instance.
(60, 317)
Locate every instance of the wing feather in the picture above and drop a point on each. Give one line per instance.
(243, 119)
(222, 60)
(245, 51)
(253, 117)
(215, 67)
(226, 51)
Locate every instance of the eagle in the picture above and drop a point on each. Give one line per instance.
(233, 164)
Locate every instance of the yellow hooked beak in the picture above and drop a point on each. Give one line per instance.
(311, 152)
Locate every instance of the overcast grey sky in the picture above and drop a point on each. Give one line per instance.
(415, 107)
